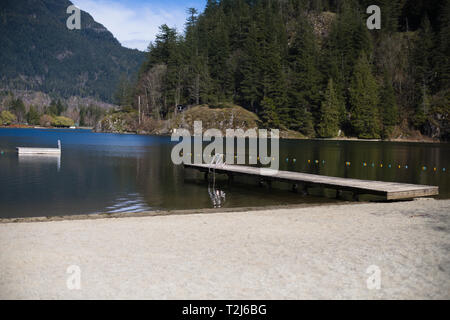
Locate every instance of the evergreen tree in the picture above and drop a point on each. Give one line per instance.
(348, 38)
(60, 108)
(122, 97)
(193, 56)
(218, 55)
(422, 60)
(18, 108)
(442, 65)
(423, 54)
(269, 114)
(250, 86)
(270, 58)
(329, 113)
(33, 116)
(82, 113)
(388, 107)
(422, 109)
(364, 101)
(304, 78)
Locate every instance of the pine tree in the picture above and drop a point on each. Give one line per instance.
(218, 54)
(304, 78)
(364, 101)
(442, 65)
(348, 38)
(271, 62)
(422, 109)
(329, 113)
(33, 116)
(269, 114)
(423, 53)
(250, 86)
(193, 56)
(422, 59)
(18, 108)
(122, 97)
(388, 107)
(268, 57)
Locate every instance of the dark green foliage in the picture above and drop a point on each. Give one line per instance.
(39, 53)
(90, 116)
(33, 116)
(423, 54)
(422, 109)
(304, 79)
(388, 107)
(18, 109)
(124, 94)
(329, 113)
(56, 108)
(269, 114)
(364, 97)
(274, 59)
(349, 37)
(442, 58)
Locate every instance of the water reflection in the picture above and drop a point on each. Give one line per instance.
(133, 202)
(39, 159)
(216, 195)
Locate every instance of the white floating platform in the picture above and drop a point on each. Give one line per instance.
(47, 151)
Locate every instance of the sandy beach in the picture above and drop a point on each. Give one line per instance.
(320, 252)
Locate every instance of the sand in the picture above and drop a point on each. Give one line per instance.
(301, 253)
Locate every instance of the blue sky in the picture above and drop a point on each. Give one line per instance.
(135, 22)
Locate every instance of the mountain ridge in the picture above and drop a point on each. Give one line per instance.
(40, 53)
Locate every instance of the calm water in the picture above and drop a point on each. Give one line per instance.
(128, 173)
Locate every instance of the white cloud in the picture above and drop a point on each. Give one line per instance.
(135, 26)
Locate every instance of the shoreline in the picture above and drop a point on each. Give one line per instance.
(161, 213)
(428, 140)
(321, 252)
(45, 128)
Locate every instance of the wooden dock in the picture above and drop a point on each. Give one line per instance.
(388, 190)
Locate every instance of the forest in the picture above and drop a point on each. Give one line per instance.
(39, 53)
(56, 114)
(311, 66)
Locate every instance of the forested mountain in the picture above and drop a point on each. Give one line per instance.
(38, 52)
(311, 66)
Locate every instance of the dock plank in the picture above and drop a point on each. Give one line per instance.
(389, 190)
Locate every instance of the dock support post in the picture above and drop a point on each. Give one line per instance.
(356, 196)
(265, 181)
(230, 178)
(206, 176)
(338, 194)
(295, 188)
(304, 188)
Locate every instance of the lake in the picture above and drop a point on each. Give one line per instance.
(109, 173)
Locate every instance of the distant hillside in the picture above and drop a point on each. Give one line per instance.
(39, 53)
